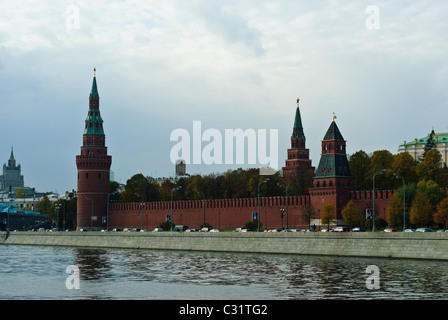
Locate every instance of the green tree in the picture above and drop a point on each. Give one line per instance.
(20, 193)
(432, 190)
(44, 206)
(352, 215)
(421, 210)
(359, 163)
(382, 159)
(141, 188)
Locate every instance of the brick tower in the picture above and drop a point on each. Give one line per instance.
(93, 168)
(333, 181)
(298, 164)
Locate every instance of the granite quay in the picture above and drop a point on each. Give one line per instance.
(350, 244)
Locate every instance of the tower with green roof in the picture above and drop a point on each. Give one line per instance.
(333, 180)
(298, 164)
(93, 166)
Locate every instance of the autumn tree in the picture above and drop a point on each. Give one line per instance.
(430, 166)
(441, 215)
(352, 215)
(404, 165)
(328, 214)
(421, 210)
(395, 211)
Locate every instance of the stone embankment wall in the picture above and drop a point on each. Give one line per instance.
(389, 245)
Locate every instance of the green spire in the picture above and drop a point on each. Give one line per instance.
(94, 92)
(297, 131)
(94, 122)
(333, 132)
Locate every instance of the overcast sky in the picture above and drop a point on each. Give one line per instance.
(380, 66)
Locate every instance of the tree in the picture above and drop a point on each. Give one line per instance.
(328, 214)
(352, 215)
(308, 213)
(395, 211)
(404, 165)
(141, 188)
(430, 167)
(432, 190)
(359, 163)
(20, 193)
(44, 206)
(114, 190)
(441, 215)
(382, 159)
(421, 210)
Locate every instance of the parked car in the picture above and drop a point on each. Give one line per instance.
(442, 230)
(424, 230)
(340, 229)
(215, 230)
(192, 230)
(409, 230)
(389, 230)
(358, 229)
(158, 229)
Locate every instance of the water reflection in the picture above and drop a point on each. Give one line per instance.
(147, 274)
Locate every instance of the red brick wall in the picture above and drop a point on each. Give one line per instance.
(222, 214)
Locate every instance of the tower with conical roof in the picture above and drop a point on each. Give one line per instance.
(333, 180)
(298, 164)
(93, 166)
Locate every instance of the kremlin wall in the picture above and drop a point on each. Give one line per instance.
(333, 183)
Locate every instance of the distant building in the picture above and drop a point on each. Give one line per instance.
(181, 169)
(417, 147)
(11, 178)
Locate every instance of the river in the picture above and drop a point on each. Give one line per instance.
(46, 273)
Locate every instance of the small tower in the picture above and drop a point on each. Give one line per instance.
(298, 163)
(93, 166)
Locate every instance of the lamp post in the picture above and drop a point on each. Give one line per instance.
(203, 204)
(287, 202)
(91, 215)
(373, 196)
(258, 213)
(172, 190)
(404, 200)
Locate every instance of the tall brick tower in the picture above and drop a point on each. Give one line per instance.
(333, 181)
(93, 168)
(298, 164)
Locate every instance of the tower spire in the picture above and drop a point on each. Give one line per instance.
(297, 131)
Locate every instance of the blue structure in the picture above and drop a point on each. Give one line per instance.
(15, 219)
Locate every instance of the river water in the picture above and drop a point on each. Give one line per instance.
(44, 273)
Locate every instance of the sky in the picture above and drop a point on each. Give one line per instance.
(379, 66)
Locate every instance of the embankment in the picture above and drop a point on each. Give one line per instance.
(365, 244)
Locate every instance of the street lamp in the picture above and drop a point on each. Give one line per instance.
(287, 201)
(203, 204)
(404, 200)
(172, 190)
(373, 196)
(91, 215)
(259, 215)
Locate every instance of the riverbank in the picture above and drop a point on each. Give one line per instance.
(363, 244)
